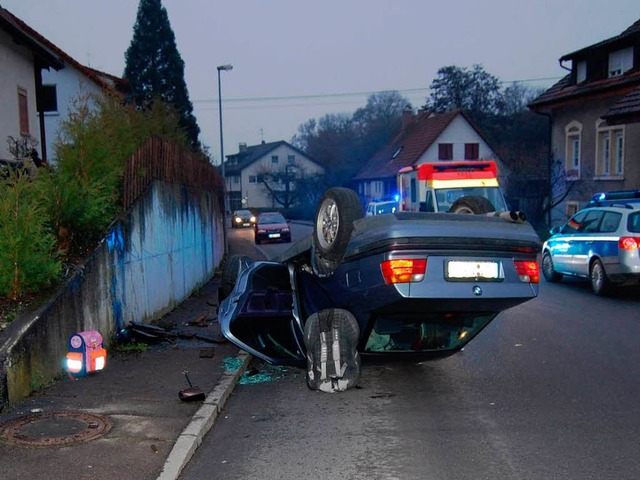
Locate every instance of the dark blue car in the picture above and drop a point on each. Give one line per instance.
(407, 283)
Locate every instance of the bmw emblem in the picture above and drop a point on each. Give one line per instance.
(477, 291)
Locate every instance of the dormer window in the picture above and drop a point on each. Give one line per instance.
(581, 71)
(620, 61)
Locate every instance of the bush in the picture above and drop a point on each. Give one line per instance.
(28, 261)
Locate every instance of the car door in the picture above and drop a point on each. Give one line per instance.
(258, 315)
(584, 241)
(560, 244)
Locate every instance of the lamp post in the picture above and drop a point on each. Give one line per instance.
(226, 67)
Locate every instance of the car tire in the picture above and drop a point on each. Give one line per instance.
(600, 283)
(233, 266)
(338, 209)
(548, 271)
(331, 339)
(257, 240)
(472, 205)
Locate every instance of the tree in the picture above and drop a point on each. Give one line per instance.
(155, 69)
(342, 143)
(332, 141)
(379, 120)
(475, 91)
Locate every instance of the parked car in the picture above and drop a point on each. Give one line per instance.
(381, 207)
(243, 218)
(272, 227)
(407, 283)
(598, 243)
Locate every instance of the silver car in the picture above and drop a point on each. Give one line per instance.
(599, 243)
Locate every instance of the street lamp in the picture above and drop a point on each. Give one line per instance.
(224, 179)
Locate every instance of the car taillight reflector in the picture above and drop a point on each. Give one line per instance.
(629, 243)
(404, 270)
(528, 270)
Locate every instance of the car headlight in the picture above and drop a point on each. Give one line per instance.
(253, 219)
(238, 220)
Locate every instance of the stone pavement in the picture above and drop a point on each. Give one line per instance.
(127, 421)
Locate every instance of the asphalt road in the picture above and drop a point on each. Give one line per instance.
(548, 391)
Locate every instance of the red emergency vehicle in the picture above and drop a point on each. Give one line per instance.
(469, 186)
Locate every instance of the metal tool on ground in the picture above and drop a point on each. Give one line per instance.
(191, 394)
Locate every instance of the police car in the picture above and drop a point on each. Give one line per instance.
(601, 243)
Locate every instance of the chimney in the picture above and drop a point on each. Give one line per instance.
(242, 147)
(407, 117)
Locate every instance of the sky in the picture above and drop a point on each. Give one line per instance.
(294, 60)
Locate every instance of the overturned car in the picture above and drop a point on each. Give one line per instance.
(405, 284)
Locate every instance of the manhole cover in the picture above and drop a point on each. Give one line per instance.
(54, 429)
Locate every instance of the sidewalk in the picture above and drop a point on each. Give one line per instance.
(127, 422)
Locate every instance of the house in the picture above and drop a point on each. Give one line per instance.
(23, 56)
(265, 176)
(59, 88)
(595, 122)
(425, 138)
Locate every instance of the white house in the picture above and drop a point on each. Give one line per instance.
(56, 88)
(255, 175)
(425, 138)
(22, 57)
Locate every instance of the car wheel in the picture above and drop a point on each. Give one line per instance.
(336, 212)
(257, 240)
(233, 266)
(547, 269)
(331, 340)
(471, 205)
(600, 283)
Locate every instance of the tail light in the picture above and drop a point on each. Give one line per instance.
(528, 270)
(404, 270)
(629, 243)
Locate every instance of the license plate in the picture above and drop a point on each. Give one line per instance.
(473, 270)
(274, 235)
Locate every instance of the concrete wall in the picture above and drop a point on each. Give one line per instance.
(169, 244)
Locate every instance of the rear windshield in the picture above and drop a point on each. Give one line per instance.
(270, 219)
(633, 222)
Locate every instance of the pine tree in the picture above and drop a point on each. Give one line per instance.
(155, 69)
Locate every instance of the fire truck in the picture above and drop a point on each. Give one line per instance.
(469, 186)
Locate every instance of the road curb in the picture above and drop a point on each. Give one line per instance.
(191, 437)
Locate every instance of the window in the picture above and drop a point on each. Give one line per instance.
(413, 190)
(610, 222)
(609, 150)
(573, 132)
(291, 159)
(572, 208)
(274, 159)
(445, 151)
(23, 111)
(253, 179)
(591, 223)
(573, 225)
(471, 151)
(49, 99)
(581, 71)
(620, 61)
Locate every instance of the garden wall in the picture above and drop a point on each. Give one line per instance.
(169, 244)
